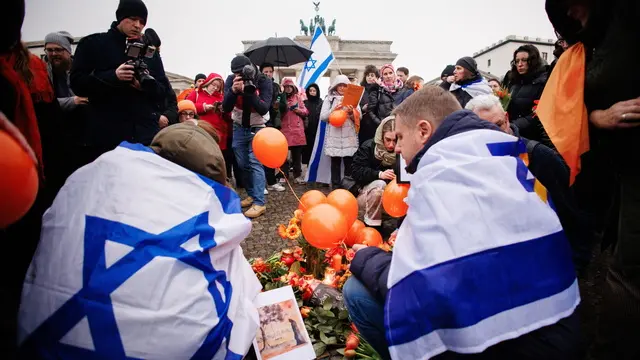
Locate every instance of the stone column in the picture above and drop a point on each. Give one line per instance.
(360, 74)
(298, 73)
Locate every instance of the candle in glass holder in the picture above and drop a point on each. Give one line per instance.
(336, 262)
(329, 276)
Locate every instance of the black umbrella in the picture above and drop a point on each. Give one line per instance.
(278, 51)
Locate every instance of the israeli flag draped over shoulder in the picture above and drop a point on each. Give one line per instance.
(319, 169)
(506, 271)
(139, 258)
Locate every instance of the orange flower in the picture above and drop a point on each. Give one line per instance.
(298, 214)
(294, 221)
(259, 266)
(304, 311)
(293, 232)
(350, 254)
(282, 231)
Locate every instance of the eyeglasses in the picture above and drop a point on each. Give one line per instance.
(187, 114)
(54, 50)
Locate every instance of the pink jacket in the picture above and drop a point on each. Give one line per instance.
(292, 124)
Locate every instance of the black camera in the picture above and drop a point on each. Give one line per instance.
(248, 75)
(137, 50)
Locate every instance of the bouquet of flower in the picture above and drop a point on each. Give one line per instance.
(317, 277)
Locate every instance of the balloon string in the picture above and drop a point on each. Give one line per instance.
(290, 187)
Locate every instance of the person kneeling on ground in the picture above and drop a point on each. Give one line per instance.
(466, 279)
(372, 169)
(142, 256)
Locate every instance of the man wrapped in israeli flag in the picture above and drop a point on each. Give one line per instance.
(481, 265)
(139, 258)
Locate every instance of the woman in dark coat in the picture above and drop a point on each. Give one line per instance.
(527, 80)
(313, 105)
(385, 95)
(367, 125)
(609, 183)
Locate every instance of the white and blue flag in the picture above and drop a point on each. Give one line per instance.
(139, 258)
(480, 257)
(319, 61)
(319, 169)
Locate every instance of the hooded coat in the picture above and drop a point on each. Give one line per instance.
(340, 141)
(219, 120)
(292, 125)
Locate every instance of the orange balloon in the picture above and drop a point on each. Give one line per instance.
(310, 199)
(352, 235)
(369, 236)
(324, 226)
(345, 202)
(337, 118)
(270, 147)
(393, 199)
(18, 183)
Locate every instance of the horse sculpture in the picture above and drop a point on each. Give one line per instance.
(332, 28)
(303, 28)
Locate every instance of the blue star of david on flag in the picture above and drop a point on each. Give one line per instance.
(311, 64)
(99, 281)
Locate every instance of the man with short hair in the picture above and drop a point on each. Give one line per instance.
(468, 81)
(447, 77)
(274, 121)
(466, 278)
(199, 79)
(249, 107)
(402, 73)
(121, 106)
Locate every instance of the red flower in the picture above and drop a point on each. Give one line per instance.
(259, 266)
(330, 253)
(350, 255)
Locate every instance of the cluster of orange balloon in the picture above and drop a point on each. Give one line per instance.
(393, 199)
(330, 220)
(18, 183)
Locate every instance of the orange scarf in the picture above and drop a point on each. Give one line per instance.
(562, 111)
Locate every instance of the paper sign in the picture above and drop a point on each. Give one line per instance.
(282, 334)
(353, 95)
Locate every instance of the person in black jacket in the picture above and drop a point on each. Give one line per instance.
(274, 121)
(120, 108)
(528, 78)
(313, 105)
(388, 93)
(372, 168)
(468, 81)
(367, 124)
(249, 112)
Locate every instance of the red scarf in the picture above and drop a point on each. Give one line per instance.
(40, 89)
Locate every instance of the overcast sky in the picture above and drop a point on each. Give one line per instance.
(203, 35)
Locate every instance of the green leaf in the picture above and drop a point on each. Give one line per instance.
(331, 341)
(295, 267)
(319, 348)
(340, 351)
(343, 314)
(328, 304)
(325, 328)
(324, 338)
(326, 313)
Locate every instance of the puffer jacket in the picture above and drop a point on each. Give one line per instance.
(340, 141)
(382, 102)
(524, 91)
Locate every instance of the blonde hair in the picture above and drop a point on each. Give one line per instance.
(431, 103)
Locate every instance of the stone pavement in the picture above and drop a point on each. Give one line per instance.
(263, 240)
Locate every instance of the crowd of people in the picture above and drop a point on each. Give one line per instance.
(73, 107)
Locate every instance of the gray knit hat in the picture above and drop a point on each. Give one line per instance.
(62, 38)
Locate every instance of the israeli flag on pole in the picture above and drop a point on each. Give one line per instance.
(139, 258)
(319, 169)
(507, 271)
(319, 61)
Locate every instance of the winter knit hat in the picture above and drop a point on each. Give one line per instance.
(186, 105)
(238, 63)
(200, 76)
(131, 8)
(62, 38)
(448, 71)
(468, 63)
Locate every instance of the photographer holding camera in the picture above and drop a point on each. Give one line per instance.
(130, 97)
(247, 96)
